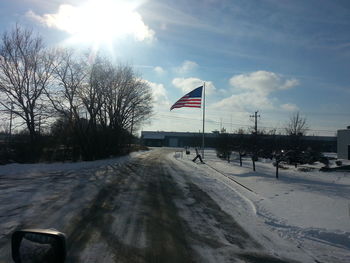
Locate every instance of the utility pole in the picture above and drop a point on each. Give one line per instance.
(255, 116)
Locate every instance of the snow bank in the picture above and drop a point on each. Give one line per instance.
(16, 168)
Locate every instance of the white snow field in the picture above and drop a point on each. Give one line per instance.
(309, 210)
(303, 216)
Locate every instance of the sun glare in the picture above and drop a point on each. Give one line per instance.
(102, 21)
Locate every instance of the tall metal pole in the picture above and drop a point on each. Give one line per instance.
(203, 119)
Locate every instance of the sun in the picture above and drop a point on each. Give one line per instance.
(102, 21)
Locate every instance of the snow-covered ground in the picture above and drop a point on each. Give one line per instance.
(303, 216)
(310, 209)
(49, 195)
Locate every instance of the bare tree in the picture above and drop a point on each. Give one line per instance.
(296, 128)
(95, 95)
(129, 101)
(69, 77)
(241, 145)
(96, 102)
(102, 101)
(297, 125)
(224, 145)
(25, 70)
(138, 104)
(124, 100)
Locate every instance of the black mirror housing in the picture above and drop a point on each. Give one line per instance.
(38, 244)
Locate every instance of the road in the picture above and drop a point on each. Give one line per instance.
(132, 212)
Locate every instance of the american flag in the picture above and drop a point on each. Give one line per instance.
(192, 99)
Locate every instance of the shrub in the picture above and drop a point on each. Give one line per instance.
(339, 163)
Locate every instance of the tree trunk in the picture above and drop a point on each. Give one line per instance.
(253, 158)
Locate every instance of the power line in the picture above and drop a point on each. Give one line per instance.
(286, 113)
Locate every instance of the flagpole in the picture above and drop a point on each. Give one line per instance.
(203, 119)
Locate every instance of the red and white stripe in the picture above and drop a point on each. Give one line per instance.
(188, 102)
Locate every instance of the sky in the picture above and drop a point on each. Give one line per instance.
(272, 56)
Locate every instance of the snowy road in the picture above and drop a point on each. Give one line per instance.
(146, 209)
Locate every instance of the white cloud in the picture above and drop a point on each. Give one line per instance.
(289, 107)
(159, 93)
(244, 102)
(263, 82)
(186, 67)
(159, 70)
(290, 83)
(188, 84)
(30, 14)
(97, 19)
(254, 91)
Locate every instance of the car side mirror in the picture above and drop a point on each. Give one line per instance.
(38, 245)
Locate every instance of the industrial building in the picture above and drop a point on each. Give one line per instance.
(193, 139)
(343, 143)
(176, 139)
